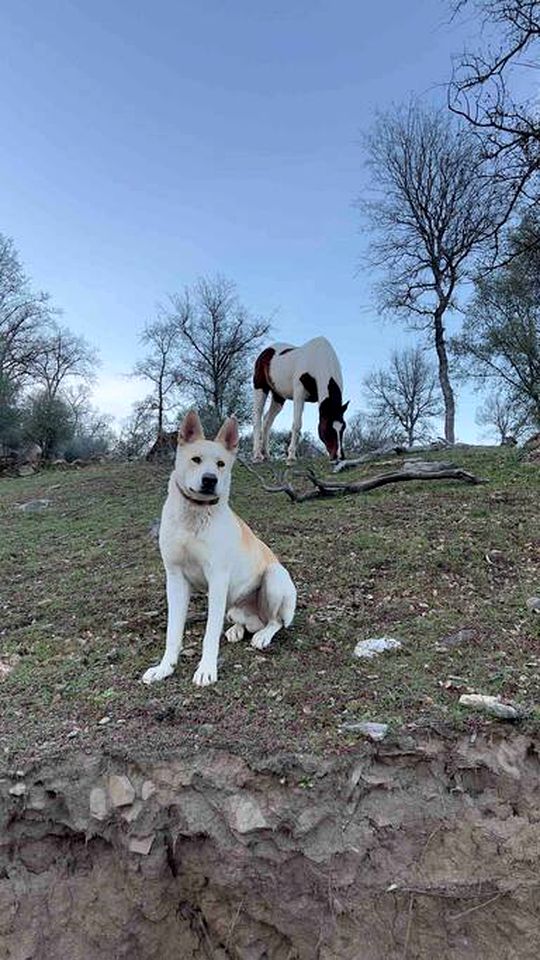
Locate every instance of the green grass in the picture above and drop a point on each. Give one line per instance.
(83, 612)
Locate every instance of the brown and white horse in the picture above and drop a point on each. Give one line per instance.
(307, 374)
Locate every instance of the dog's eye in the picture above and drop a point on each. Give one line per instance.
(221, 464)
(196, 460)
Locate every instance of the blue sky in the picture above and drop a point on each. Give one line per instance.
(144, 144)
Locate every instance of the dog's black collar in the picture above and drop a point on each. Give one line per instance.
(199, 503)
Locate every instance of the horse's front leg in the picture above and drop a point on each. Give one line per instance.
(299, 398)
(259, 400)
(273, 410)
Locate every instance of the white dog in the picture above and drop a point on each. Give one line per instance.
(205, 546)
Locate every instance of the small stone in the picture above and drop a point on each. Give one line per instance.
(103, 721)
(456, 639)
(244, 814)
(98, 803)
(533, 603)
(206, 729)
(18, 790)
(34, 506)
(141, 845)
(367, 649)
(490, 705)
(147, 789)
(121, 791)
(369, 729)
(72, 734)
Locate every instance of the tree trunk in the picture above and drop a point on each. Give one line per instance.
(444, 380)
(160, 409)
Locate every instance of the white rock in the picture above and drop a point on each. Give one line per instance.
(147, 789)
(142, 845)
(34, 506)
(18, 790)
(244, 814)
(121, 791)
(98, 803)
(491, 705)
(368, 649)
(372, 730)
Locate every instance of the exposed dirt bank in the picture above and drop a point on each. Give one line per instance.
(425, 849)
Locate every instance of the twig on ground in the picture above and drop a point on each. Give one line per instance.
(478, 906)
(409, 927)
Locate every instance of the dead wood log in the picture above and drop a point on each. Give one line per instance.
(387, 450)
(331, 488)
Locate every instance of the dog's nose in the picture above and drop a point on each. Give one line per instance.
(208, 483)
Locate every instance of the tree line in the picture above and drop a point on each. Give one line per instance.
(46, 372)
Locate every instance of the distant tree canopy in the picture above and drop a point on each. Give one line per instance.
(404, 397)
(431, 211)
(198, 352)
(500, 340)
(218, 339)
(42, 364)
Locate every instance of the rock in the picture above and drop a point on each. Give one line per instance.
(456, 639)
(533, 603)
(367, 649)
(369, 729)
(244, 814)
(18, 790)
(141, 845)
(34, 506)
(147, 789)
(104, 721)
(490, 705)
(121, 791)
(98, 803)
(25, 470)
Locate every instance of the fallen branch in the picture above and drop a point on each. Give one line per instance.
(387, 450)
(330, 488)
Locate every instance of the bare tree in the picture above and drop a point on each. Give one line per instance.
(218, 339)
(23, 314)
(481, 92)
(161, 367)
(138, 431)
(505, 416)
(62, 356)
(432, 211)
(404, 396)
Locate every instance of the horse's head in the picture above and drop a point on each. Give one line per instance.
(332, 422)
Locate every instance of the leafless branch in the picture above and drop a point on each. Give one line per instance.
(325, 488)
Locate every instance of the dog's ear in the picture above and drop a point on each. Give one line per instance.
(190, 429)
(228, 434)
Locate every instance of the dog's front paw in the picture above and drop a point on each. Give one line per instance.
(235, 633)
(153, 674)
(205, 674)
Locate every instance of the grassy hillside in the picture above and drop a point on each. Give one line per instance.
(83, 612)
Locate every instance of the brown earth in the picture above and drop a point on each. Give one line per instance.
(409, 850)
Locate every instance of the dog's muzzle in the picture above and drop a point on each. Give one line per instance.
(208, 484)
